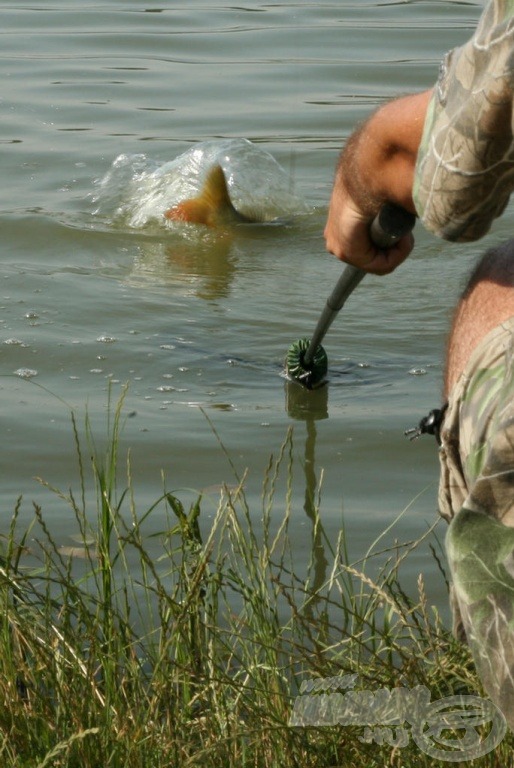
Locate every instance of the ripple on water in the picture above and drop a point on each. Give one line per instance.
(16, 343)
(104, 339)
(25, 373)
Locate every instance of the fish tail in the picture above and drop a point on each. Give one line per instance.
(212, 206)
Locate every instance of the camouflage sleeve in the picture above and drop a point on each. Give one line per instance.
(465, 166)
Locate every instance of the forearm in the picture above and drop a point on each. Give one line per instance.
(378, 161)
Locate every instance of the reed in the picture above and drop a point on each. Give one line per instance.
(196, 656)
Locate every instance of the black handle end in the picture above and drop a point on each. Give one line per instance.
(390, 225)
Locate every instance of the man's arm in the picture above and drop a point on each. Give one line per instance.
(376, 166)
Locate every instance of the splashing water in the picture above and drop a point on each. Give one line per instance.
(138, 190)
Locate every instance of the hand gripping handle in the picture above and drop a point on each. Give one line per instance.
(389, 225)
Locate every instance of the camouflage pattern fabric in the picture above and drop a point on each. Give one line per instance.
(477, 496)
(465, 166)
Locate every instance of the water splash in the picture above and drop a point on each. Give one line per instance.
(137, 190)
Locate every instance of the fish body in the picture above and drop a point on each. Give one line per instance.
(212, 207)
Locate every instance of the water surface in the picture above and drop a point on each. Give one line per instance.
(198, 325)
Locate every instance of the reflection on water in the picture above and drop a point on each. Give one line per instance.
(304, 404)
(206, 269)
(310, 406)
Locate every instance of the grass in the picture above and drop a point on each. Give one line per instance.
(195, 657)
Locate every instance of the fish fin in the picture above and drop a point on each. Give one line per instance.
(211, 207)
(192, 211)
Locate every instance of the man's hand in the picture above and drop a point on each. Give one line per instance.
(347, 237)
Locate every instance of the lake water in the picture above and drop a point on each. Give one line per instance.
(98, 291)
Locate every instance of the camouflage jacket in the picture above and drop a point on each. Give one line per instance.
(465, 167)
